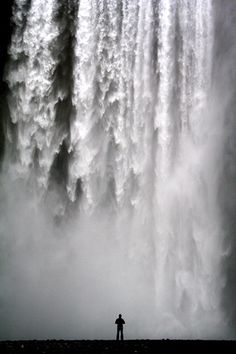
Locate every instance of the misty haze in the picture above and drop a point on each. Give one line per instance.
(118, 170)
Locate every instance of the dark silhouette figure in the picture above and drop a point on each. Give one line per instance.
(120, 322)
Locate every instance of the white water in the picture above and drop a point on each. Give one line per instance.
(145, 236)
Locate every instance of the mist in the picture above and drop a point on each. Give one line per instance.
(68, 280)
(224, 79)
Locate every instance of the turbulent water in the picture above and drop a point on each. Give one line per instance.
(111, 171)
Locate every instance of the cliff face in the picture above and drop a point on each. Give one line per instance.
(5, 35)
(5, 31)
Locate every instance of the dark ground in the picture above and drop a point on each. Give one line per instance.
(108, 347)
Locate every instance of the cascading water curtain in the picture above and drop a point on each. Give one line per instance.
(111, 124)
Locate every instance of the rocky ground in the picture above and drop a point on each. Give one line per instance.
(108, 347)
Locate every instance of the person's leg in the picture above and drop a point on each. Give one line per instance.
(117, 334)
(122, 335)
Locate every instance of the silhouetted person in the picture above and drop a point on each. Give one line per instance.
(119, 322)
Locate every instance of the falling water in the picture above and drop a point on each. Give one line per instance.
(111, 146)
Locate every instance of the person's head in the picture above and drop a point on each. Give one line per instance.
(120, 316)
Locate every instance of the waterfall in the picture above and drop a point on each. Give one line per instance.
(120, 92)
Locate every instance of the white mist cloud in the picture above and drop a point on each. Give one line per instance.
(69, 280)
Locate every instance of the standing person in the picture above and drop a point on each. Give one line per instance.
(119, 322)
